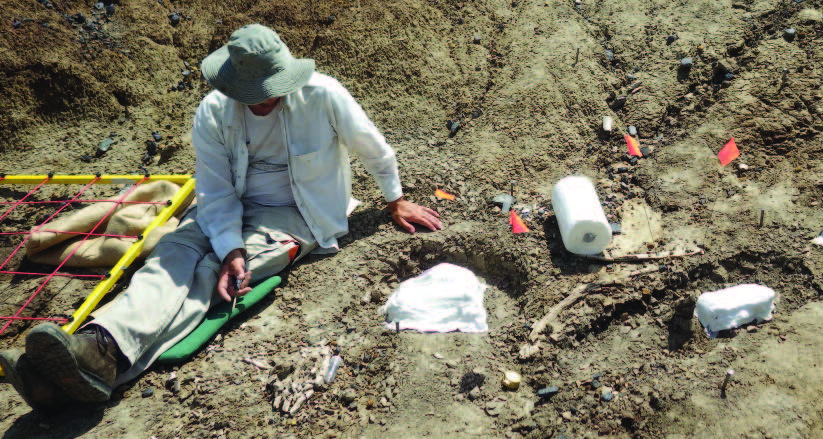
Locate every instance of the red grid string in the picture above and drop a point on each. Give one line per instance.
(55, 273)
(79, 201)
(64, 232)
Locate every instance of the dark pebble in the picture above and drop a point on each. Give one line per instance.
(596, 384)
(151, 148)
(610, 55)
(670, 39)
(607, 396)
(110, 10)
(460, 20)
(80, 18)
(181, 86)
(156, 136)
(789, 34)
(86, 158)
(477, 112)
(646, 151)
(548, 392)
(148, 392)
(174, 19)
(453, 126)
(633, 159)
(618, 103)
(16, 23)
(476, 39)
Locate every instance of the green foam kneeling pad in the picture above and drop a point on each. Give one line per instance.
(217, 316)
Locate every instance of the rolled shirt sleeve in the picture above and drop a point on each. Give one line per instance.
(357, 132)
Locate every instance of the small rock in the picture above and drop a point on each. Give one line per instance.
(474, 394)
(646, 151)
(99, 6)
(148, 392)
(751, 329)
(85, 158)
(438, 355)
(476, 39)
(79, 18)
(527, 351)
(548, 392)
(595, 384)
(451, 364)
(174, 19)
(186, 73)
(348, 396)
(686, 63)
(616, 228)
(632, 130)
(110, 10)
(567, 415)
(607, 395)
(789, 34)
(493, 408)
(671, 39)
(609, 55)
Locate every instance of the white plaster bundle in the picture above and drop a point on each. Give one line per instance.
(582, 222)
(734, 306)
(443, 298)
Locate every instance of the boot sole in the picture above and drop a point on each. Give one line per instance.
(48, 348)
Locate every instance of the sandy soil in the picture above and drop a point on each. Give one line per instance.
(529, 108)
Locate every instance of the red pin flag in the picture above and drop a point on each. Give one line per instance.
(444, 195)
(634, 147)
(518, 226)
(728, 153)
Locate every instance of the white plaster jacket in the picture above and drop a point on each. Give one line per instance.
(322, 122)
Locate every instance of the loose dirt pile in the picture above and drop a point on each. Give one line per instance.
(529, 83)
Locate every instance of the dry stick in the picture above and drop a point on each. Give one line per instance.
(551, 317)
(645, 256)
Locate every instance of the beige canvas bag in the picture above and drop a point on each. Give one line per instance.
(54, 246)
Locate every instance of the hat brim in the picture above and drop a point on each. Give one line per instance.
(218, 69)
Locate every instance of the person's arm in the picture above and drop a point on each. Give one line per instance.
(219, 211)
(359, 134)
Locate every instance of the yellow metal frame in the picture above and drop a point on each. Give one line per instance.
(186, 183)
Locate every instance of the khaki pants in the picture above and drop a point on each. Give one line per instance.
(170, 295)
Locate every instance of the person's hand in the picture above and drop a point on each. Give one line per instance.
(234, 266)
(404, 212)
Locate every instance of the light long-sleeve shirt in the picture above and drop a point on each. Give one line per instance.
(322, 123)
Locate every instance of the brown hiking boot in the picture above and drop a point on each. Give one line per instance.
(38, 392)
(83, 365)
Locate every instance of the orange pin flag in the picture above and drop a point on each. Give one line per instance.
(518, 226)
(444, 195)
(728, 153)
(634, 146)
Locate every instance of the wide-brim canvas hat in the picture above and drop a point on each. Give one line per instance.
(255, 66)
